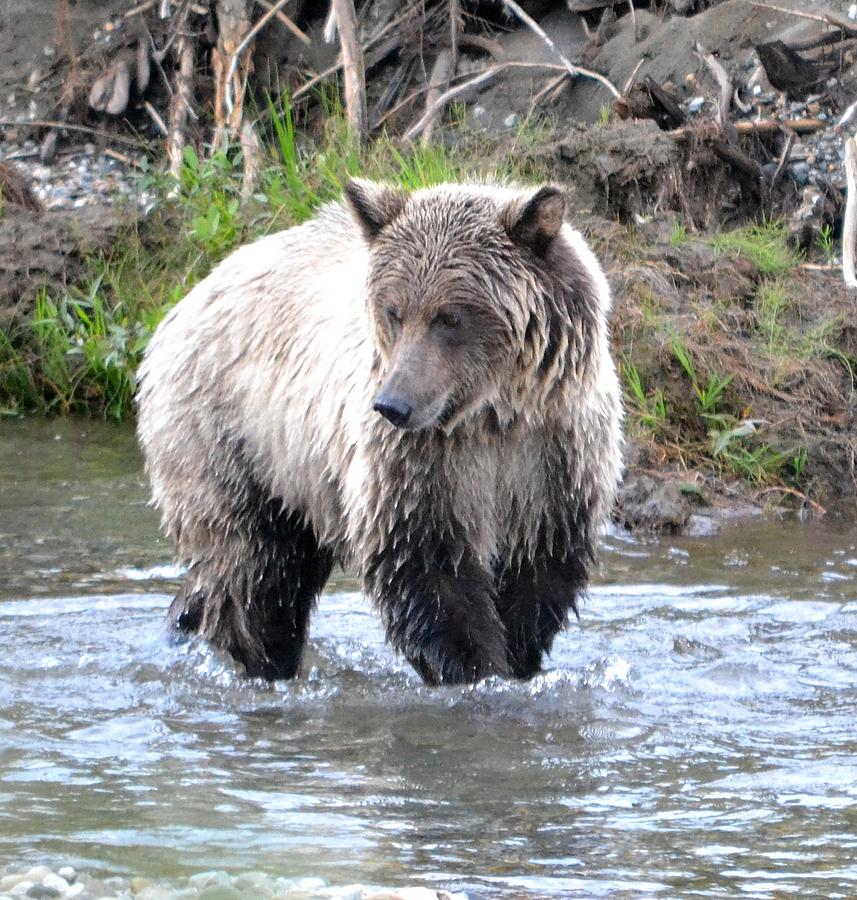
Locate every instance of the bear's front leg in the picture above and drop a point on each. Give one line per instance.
(441, 616)
(533, 603)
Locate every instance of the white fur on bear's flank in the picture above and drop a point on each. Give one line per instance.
(273, 352)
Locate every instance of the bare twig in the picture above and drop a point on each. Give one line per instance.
(828, 18)
(763, 126)
(846, 117)
(143, 7)
(784, 158)
(485, 75)
(354, 71)
(482, 42)
(441, 73)
(252, 153)
(371, 42)
(548, 89)
(633, 20)
(285, 20)
(723, 80)
(84, 129)
(236, 53)
(792, 492)
(632, 77)
(180, 106)
(849, 226)
(454, 28)
(155, 116)
(736, 99)
(572, 70)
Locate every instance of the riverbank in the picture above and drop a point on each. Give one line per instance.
(736, 350)
(733, 331)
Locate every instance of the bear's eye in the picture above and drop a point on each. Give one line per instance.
(447, 319)
(393, 315)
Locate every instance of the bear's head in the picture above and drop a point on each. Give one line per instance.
(452, 277)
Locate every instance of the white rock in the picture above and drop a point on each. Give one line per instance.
(206, 879)
(68, 873)
(21, 888)
(55, 881)
(76, 890)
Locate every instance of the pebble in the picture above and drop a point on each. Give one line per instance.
(40, 883)
(695, 105)
(800, 173)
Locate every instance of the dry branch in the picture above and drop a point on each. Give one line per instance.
(764, 126)
(485, 75)
(723, 80)
(572, 70)
(849, 226)
(828, 18)
(180, 105)
(441, 73)
(354, 67)
(285, 20)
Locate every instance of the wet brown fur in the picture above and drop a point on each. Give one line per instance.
(473, 526)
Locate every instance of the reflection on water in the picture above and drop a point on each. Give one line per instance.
(693, 736)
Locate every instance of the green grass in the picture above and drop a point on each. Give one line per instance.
(825, 243)
(764, 245)
(78, 352)
(678, 235)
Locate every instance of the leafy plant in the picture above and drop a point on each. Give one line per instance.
(709, 396)
(825, 243)
(649, 411)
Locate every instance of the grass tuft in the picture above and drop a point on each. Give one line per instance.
(764, 245)
(79, 351)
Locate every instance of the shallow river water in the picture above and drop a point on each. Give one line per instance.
(695, 734)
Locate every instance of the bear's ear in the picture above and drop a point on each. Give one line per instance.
(373, 205)
(535, 222)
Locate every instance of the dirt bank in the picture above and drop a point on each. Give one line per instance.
(738, 353)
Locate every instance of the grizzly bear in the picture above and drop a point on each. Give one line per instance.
(418, 387)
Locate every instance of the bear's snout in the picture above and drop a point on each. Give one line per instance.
(395, 409)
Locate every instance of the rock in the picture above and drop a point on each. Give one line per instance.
(646, 503)
(138, 885)
(220, 892)
(208, 879)
(416, 893)
(254, 884)
(800, 173)
(57, 882)
(695, 105)
(21, 888)
(68, 873)
(43, 892)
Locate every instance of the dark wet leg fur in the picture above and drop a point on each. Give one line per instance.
(253, 598)
(440, 616)
(534, 605)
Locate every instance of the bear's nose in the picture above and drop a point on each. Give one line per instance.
(395, 409)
